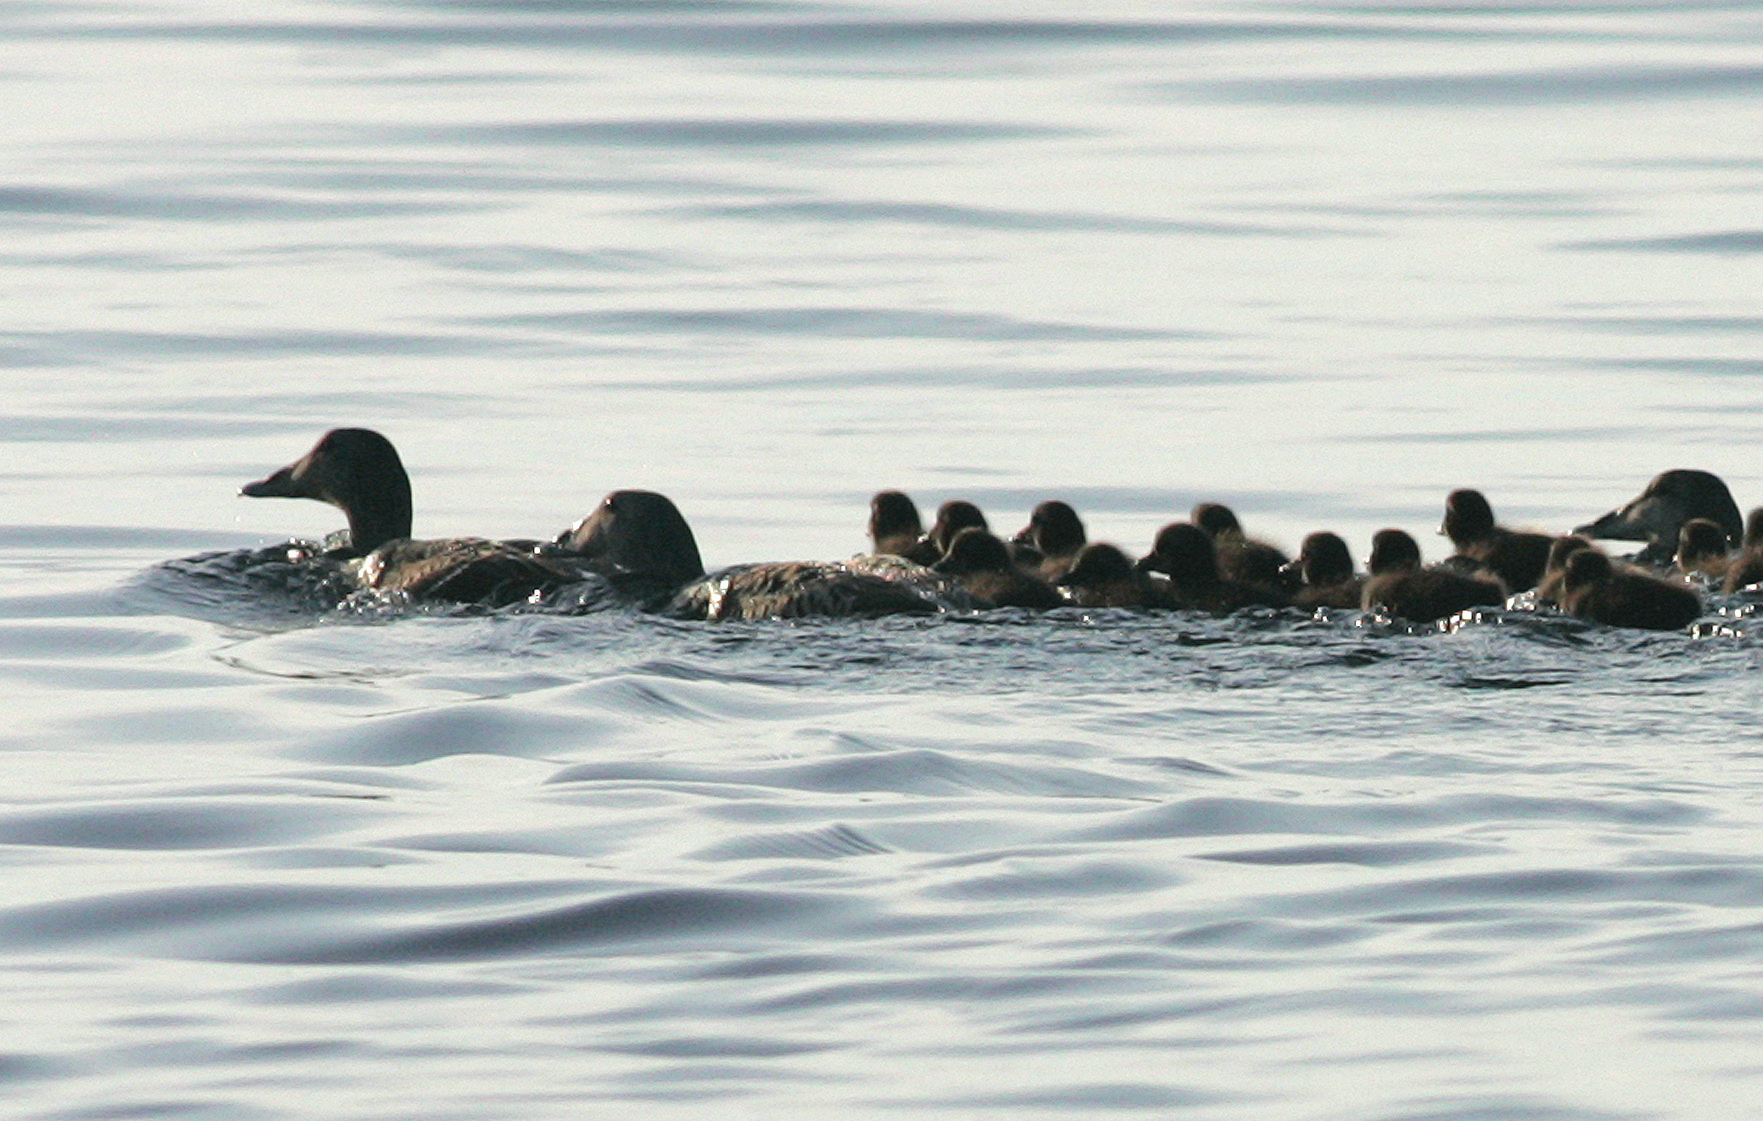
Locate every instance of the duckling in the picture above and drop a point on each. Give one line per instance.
(358, 471)
(639, 539)
(1400, 586)
(894, 525)
(1701, 549)
(1517, 558)
(1549, 589)
(1658, 513)
(1626, 597)
(1240, 557)
(1186, 554)
(952, 517)
(980, 560)
(1103, 576)
(1327, 571)
(1747, 568)
(1055, 534)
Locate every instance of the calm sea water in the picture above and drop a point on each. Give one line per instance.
(1322, 262)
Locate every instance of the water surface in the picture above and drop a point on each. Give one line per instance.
(1323, 263)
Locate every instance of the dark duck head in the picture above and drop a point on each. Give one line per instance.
(1702, 547)
(1055, 532)
(894, 525)
(1657, 514)
(953, 517)
(356, 470)
(1326, 568)
(639, 534)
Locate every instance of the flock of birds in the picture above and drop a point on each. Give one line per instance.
(637, 543)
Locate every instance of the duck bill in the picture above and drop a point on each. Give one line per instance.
(282, 484)
(1614, 526)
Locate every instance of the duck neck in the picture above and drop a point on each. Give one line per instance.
(379, 518)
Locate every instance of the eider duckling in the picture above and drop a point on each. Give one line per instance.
(1055, 533)
(1326, 568)
(1658, 513)
(1702, 551)
(1240, 557)
(1400, 586)
(952, 517)
(1596, 589)
(1186, 554)
(1103, 576)
(1747, 568)
(895, 528)
(1549, 589)
(1517, 558)
(358, 471)
(981, 562)
(639, 540)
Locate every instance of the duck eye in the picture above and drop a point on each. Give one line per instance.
(610, 503)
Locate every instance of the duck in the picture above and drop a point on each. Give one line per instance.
(1747, 568)
(895, 528)
(1185, 553)
(1326, 568)
(1400, 586)
(1101, 575)
(981, 561)
(953, 516)
(1596, 589)
(358, 471)
(1549, 589)
(1517, 557)
(1055, 534)
(1240, 557)
(1657, 514)
(641, 541)
(1702, 551)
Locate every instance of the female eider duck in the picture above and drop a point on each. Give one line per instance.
(1657, 514)
(1518, 558)
(1400, 586)
(358, 471)
(639, 539)
(1597, 589)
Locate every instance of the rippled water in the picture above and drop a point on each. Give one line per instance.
(1322, 262)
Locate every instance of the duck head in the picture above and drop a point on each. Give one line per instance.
(356, 470)
(1054, 529)
(637, 532)
(1658, 513)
